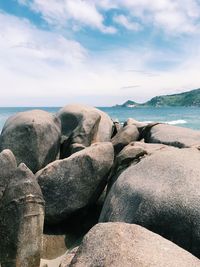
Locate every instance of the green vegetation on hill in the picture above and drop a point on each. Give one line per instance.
(186, 99)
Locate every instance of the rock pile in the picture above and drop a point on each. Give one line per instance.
(140, 181)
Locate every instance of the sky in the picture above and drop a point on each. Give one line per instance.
(97, 52)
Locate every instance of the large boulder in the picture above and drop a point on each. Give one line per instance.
(21, 221)
(125, 136)
(121, 244)
(130, 154)
(73, 183)
(162, 193)
(33, 136)
(138, 124)
(83, 135)
(172, 135)
(8, 166)
(75, 115)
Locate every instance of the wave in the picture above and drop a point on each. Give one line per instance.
(176, 122)
(169, 122)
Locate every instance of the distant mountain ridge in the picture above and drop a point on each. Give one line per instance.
(185, 99)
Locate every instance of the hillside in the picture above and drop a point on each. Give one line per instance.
(185, 99)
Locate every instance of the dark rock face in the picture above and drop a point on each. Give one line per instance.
(172, 135)
(73, 183)
(73, 116)
(21, 221)
(125, 136)
(7, 167)
(116, 127)
(162, 194)
(121, 244)
(33, 137)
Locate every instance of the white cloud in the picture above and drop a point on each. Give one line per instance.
(126, 23)
(171, 16)
(45, 64)
(61, 12)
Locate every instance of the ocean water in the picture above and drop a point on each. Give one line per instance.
(181, 116)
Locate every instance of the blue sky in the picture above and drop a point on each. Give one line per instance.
(97, 52)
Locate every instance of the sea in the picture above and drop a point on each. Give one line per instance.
(181, 116)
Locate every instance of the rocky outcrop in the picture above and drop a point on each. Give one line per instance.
(33, 136)
(73, 183)
(8, 166)
(172, 135)
(131, 154)
(125, 136)
(121, 244)
(116, 127)
(138, 124)
(21, 221)
(74, 117)
(83, 135)
(161, 193)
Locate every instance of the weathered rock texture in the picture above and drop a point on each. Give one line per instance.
(68, 257)
(73, 116)
(161, 193)
(138, 124)
(73, 183)
(33, 136)
(131, 154)
(8, 166)
(21, 221)
(125, 136)
(172, 135)
(120, 244)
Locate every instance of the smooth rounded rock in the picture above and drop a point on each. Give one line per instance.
(75, 182)
(121, 244)
(72, 116)
(33, 136)
(131, 154)
(125, 136)
(138, 124)
(172, 135)
(162, 193)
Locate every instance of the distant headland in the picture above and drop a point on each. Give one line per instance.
(185, 99)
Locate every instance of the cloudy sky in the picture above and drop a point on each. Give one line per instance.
(99, 52)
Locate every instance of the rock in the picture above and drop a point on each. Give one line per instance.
(138, 124)
(125, 136)
(83, 135)
(68, 257)
(172, 135)
(73, 183)
(68, 148)
(72, 116)
(53, 246)
(121, 244)
(7, 166)
(76, 148)
(162, 194)
(129, 155)
(33, 136)
(148, 147)
(21, 221)
(116, 127)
